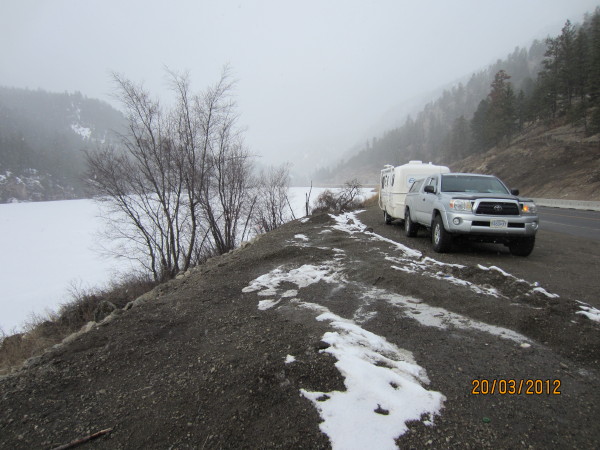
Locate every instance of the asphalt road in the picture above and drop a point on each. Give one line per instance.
(580, 223)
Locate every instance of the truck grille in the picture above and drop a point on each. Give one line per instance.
(498, 209)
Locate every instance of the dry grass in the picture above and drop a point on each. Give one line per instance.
(372, 200)
(43, 331)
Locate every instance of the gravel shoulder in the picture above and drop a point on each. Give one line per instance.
(196, 364)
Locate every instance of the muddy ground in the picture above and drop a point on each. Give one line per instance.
(196, 364)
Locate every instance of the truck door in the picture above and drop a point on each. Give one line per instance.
(426, 201)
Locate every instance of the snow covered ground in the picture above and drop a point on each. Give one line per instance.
(47, 247)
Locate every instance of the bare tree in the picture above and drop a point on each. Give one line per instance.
(177, 189)
(272, 203)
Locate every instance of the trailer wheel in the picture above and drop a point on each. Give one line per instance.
(388, 219)
(410, 228)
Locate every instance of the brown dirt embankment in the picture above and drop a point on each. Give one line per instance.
(196, 364)
(561, 164)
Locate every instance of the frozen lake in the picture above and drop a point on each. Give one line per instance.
(47, 247)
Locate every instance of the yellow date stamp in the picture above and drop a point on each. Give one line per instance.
(509, 386)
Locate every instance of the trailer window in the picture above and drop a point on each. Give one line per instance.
(416, 186)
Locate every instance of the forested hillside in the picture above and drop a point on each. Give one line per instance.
(553, 83)
(43, 137)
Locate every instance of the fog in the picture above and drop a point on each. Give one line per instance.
(314, 77)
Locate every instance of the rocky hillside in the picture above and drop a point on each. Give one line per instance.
(560, 163)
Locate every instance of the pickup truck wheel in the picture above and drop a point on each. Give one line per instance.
(388, 219)
(440, 238)
(410, 228)
(522, 246)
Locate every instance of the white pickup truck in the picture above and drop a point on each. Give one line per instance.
(470, 206)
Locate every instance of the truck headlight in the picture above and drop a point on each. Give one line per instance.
(528, 208)
(458, 204)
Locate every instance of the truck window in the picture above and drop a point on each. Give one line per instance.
(473, 184)
(432, 182)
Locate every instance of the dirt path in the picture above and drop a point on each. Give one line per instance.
(322, 319)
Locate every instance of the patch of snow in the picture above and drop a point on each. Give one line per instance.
(267, 304)
(404, 269)
(459, 282)
(289, 359)
(84, 132)
(427, 259)
(310, 306)
(349, 223)
(498, 269)
(304, 219)
(535, 285)
(425, 267)
(432, 316)
(384, 389)
(302, 276)
(361, 316)
(545, 292)
(590, 312)
(302, 237)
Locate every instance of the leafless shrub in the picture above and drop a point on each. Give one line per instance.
(272, 207)
(371, 201)
(43, 331)
(345, 199)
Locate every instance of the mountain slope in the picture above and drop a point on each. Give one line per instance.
(43, 137)
(559, 163)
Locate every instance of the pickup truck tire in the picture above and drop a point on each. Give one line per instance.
(522, 246)
(440, 238)
(388, 219)
(410, 228)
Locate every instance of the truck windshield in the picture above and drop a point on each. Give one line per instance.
(474, 184)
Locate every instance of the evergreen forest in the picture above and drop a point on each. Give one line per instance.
(43, 139)
(554, 82)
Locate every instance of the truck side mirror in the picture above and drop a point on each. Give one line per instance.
(514, 191)
(429, 189)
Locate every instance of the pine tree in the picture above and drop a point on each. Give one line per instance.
(566, 65)
(479, 127)
(460, 137)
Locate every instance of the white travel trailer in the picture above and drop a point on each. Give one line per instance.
(395, 183)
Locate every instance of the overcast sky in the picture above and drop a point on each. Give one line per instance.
(312, 75)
